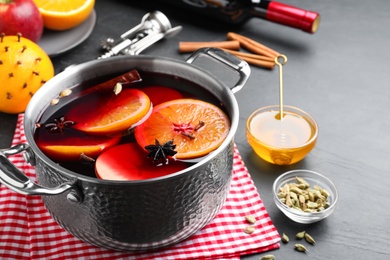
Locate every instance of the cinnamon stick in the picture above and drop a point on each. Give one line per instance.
(193, 46)
(125, 79)
(252, 45)
(253, 59)
(250, 55)
(261, 63)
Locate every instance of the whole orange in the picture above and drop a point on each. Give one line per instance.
(24, 68)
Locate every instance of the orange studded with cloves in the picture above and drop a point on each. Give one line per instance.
(24, 68)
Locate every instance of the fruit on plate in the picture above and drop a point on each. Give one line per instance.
(24, 68)
(21, 16)
(64, 14)
(196, 127)
(109, 112)
(129, 162)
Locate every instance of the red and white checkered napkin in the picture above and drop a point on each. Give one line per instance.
(27, 231)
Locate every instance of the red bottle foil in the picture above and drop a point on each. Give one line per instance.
(307, 21)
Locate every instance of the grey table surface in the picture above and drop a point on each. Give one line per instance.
(340, 75)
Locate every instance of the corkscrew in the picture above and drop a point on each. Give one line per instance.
(154, 26)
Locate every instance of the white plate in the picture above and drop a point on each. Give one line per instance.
(57, 42)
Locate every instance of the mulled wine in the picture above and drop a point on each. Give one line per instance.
(88, 130)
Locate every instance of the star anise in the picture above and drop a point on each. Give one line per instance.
(161, 152)
(58, 125)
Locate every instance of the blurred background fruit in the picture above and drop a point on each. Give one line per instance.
(64, 14)
(24, 68)
(21, 16)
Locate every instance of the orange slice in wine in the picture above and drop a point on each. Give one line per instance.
(110, 113)
(197, 127)
(73, 149)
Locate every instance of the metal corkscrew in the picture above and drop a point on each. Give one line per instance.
(154, 26)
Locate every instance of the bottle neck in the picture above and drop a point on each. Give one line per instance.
(288, 15)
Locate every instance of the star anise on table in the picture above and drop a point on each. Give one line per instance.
(161, 152)
(59, 125)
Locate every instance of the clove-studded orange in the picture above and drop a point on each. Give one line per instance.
(24, 68)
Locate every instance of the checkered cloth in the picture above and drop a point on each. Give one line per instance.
(27, 231)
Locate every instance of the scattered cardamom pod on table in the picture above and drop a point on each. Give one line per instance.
(285, 238)
(309, 239)
(300, 248)
(300, 235)
(268, 257)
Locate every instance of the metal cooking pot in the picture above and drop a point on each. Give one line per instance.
(131, 215)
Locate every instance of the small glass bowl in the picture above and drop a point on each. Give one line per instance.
(283, 145)
(313, 178)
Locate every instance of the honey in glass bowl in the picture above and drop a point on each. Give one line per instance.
(281, 141)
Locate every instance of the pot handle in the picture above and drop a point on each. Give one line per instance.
(17, 181)
(231, 61)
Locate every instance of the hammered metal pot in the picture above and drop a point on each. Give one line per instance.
(131, 215)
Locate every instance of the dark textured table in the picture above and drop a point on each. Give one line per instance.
(340, 75)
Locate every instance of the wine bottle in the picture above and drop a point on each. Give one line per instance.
(239, 11)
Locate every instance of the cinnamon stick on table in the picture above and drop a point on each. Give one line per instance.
(254, 59)
(252, 45)
(193, 46)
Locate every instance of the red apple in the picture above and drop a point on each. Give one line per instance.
(21, 16)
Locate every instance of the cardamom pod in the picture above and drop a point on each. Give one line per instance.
(286, 188)
(300, 248)
(285, 238)
(268, 257)
(302, 181)
(298, 204)
(300, 235)
(325, 193)
(293, 195)
(312, 205)
(296, 190)
(66, 92)
(249, 230)
(292, 184)
(289, 201)
(118, 88)
(302, 199)
(319, 195)
(309, 239)
(54, 101)
(250, 219)
(302, 186)
(311, 196)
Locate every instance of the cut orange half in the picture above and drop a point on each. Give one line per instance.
(197, 127)
(64, 14)
(110, 113)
